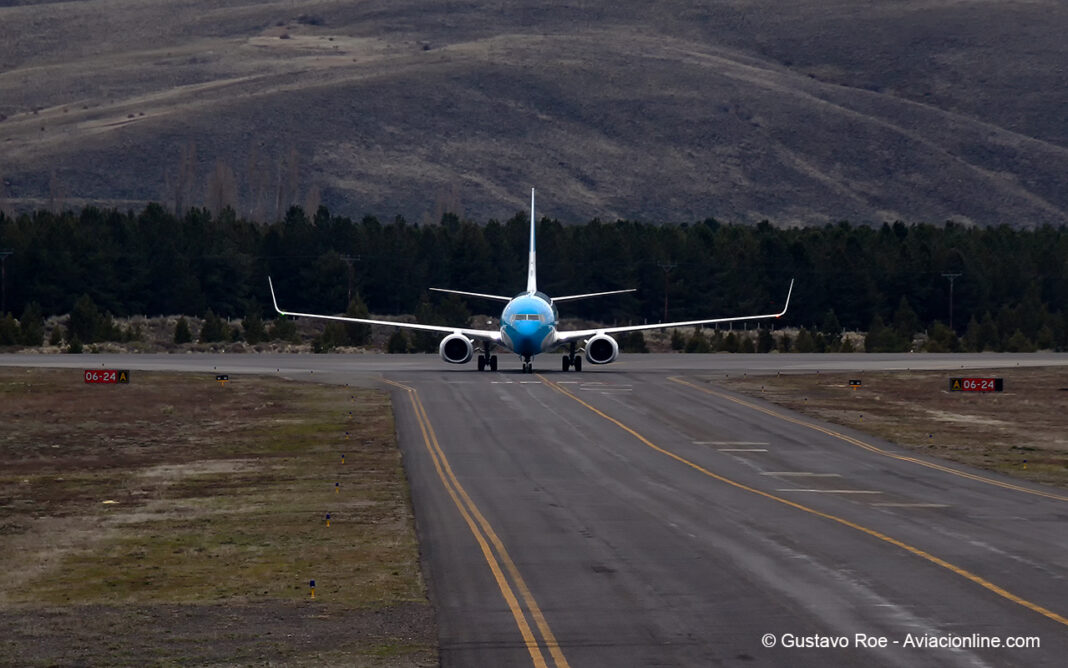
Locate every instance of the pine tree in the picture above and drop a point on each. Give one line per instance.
(9, 330)
(805, 343)
(747, 345)
(634, 343)
(31, 325)
(697, 342)
(831, 327)
(358, 334)
(252, 323)
(765, 341)
(678, 341)
(283, 329)
(1019, 343)
(398, 342)
(85, 321)
(182, 333)
(213, 329)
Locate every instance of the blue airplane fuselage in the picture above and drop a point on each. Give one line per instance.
(528, 324)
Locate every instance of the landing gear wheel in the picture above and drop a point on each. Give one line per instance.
(578, 364)
(567, 363)
(481, 363)
(493, 363)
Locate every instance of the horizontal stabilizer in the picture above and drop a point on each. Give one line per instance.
(569, 298)
(500, 298)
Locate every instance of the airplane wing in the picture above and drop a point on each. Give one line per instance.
(500, 298)
(584, 333)
(567, 298)
(479, 334)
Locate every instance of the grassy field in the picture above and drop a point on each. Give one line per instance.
(1022, 431)
(177, 521)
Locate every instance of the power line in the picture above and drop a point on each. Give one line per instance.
(951, 277)
(667, 267)
(3, 279)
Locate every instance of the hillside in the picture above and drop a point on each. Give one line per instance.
(812, 111)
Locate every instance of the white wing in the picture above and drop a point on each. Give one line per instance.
(480, 334)
(584, 333)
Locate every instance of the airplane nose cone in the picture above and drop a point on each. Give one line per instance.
(527, 327)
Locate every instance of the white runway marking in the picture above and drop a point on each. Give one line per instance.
(530, 382)
(911, 505)
(742, 450)
(803, 473)
(830, 491)
(730, 443)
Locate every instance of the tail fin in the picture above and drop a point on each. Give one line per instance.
(532, 270)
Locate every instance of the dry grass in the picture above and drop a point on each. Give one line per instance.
(1022, 431)
(148, 516)
(806, 111)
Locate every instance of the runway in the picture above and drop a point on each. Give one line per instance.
(637, 515)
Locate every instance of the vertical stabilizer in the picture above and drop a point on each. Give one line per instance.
(532, 271)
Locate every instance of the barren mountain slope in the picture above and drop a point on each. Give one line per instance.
(812, 111)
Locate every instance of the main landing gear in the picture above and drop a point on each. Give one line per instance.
(486, 360)
(572, 360)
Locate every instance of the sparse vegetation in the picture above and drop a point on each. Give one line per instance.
(1020, 432)
(176, 498)
(767, 118)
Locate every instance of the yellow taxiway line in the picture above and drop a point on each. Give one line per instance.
(834, 518)
(493, 550)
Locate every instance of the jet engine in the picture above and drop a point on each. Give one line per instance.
(601, 349)
(456, 349)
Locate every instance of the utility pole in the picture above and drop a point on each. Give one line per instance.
(349, 259)
(951, 277)
(667, 267)
(3, 279)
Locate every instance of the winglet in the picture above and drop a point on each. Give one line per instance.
(787, 305)
(273, 298)
(532, 271)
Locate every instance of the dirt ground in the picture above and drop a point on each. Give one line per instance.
(175, 520)
(1022, 431)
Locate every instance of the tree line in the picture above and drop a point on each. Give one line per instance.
(1009, 286)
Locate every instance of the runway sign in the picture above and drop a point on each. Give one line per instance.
(976, 384)
(106, 376)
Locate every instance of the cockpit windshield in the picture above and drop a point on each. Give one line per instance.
(527, 316)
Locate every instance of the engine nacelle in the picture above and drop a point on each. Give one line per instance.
(456, 349)
(601, 349)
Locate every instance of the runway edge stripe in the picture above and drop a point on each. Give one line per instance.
(868, 446)
(986, 584)
(474, 519)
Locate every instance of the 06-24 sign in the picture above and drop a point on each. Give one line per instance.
(106, 376)
(975, 384)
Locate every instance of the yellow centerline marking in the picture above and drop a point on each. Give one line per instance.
(485, 536)
(867, 446)
(834, 518)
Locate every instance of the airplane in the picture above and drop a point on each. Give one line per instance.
(528, 326)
